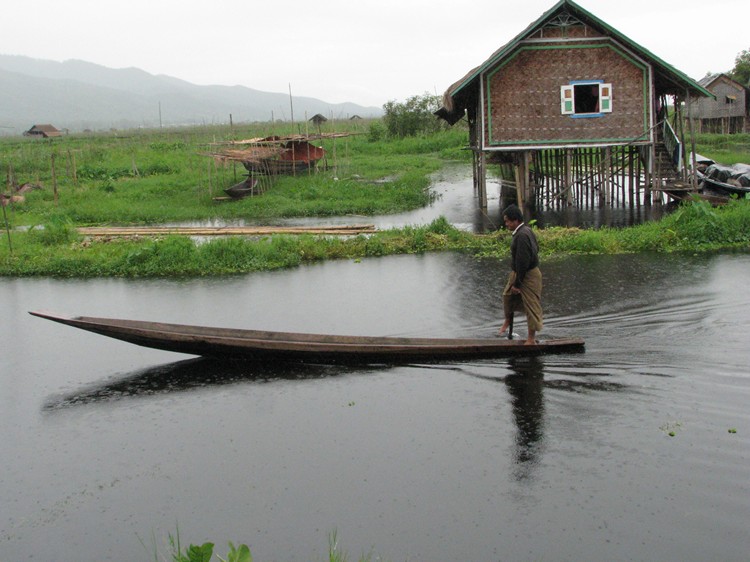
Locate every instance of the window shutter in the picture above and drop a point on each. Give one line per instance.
(605, 98)
(566, 100)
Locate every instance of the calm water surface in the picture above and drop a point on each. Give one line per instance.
(108, 447)
(454, 198)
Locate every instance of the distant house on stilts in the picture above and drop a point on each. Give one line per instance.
(728, 112)
(318, 119)
(45, 131)
(578, 110)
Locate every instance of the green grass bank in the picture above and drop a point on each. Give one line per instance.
(150, 177)
(58, 251)
(166, 176)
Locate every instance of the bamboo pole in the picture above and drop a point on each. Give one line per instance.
(606, 171)
(483, 181)
(291, 105)
(692, 140)
(630, 175)
(54, 179)
(335, 160)
(7, 228)
(521, 179)
(210, 189)
(341, 230)
(73, 166)
(567, 164)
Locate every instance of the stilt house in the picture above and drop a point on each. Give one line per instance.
(578, 109)
(726, 114)
(318, 119)
(43, 131)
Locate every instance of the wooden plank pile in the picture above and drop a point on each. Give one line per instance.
(323, 230)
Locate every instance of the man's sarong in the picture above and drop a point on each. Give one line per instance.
(529, 301)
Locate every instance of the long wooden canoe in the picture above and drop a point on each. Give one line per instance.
(264, 345)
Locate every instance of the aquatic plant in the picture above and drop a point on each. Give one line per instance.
(241, 553)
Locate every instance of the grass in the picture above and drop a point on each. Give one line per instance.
(163, 177)
(147, 177)
(58, 251)
(724, 149)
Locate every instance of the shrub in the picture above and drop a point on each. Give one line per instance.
(413, 117)
(58, 231)
(376, 132)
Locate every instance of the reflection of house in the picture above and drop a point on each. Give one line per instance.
(729, 113)
(577, 107)
(43, 131)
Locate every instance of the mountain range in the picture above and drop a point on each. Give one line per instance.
(78, 95)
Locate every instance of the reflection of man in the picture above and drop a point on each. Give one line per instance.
(525, 386)
(523, 292)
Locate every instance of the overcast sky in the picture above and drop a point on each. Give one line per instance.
(363, 51)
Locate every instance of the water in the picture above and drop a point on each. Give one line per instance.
(453, 194)
(108, 447)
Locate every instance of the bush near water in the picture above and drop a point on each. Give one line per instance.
(155, 177)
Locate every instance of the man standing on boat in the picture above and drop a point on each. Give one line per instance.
(523, 292)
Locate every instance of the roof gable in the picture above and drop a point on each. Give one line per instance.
(47, 128)
(709, 80)
(565, 12)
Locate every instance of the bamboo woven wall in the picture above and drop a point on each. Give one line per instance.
(524, 96)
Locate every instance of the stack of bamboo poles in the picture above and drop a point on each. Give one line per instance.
(327, 230)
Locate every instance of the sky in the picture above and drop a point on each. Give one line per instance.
(363, 51)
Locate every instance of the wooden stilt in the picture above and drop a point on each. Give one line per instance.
(483, 181)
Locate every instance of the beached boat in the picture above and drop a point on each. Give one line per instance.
(265, 345)
(242, 189)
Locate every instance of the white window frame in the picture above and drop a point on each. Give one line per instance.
(567, 98)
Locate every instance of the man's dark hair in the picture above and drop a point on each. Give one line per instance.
(513, 213)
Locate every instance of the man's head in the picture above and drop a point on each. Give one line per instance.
(512, 216)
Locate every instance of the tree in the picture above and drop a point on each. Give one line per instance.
(741, 70)
(413, 117)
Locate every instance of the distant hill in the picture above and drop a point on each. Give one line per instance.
(79, 95)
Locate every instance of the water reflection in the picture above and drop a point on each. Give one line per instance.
(525, 386)
(191, 374)
(283, 449)
(527, 379)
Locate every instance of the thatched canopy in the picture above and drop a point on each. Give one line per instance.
(259, 151)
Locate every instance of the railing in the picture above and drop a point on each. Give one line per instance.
(673, 145)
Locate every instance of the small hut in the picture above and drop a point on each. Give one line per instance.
(44, 131)
(577, 109)
(318, 119)
(726, 114)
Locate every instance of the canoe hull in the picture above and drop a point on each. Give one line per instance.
(263, 345)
